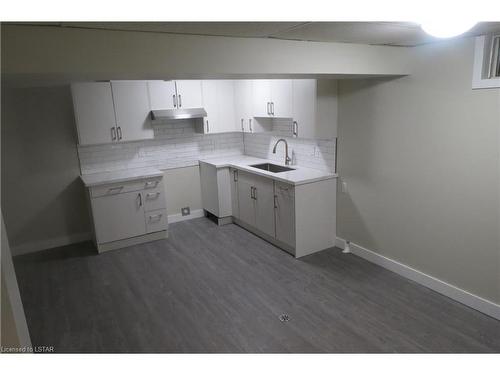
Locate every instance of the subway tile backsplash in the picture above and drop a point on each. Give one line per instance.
(177, 145)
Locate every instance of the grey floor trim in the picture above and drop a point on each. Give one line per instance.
(221, 289)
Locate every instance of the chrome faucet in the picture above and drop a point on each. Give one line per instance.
(287, 158)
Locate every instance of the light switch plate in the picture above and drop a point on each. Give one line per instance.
(185, 211)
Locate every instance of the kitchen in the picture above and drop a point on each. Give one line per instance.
(295, 194)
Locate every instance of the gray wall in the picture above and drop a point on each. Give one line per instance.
(42, 196)
(420, 156)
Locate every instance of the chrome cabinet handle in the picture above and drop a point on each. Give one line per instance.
(151, 217)
(149, 184)
(140, 199)
(272, 108)
(116, 188)
(235, 175)
(119, 130)
(255, 193)
(251, 192)
(295, 129)
(113, 133)
(275, 204)
(250, 125)
(149, 195)
(268, 108)
(208, 127)
(242, 126)
(174, 101)
(180, 101)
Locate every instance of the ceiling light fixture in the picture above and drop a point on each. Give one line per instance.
(447, 29)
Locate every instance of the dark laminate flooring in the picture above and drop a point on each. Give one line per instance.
(222, 289)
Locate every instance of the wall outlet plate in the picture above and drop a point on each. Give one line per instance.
(185, 211)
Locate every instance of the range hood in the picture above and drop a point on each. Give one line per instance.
(178, 114)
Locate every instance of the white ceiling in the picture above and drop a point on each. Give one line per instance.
(377, 33)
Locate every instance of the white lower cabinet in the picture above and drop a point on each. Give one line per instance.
(235, 206)
(299, 219)
(118, 216)
(284, 213)
(126, 213)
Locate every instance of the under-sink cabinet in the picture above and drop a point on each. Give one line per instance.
(300, 218)
(127, 213)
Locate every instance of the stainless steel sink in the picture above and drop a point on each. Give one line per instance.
(272, 167)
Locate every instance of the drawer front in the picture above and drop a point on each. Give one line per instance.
(156, 220)
(154, 200)
(125, 187)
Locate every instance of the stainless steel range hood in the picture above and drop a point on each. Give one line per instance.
(178, 114)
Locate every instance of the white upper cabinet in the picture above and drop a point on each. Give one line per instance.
(162, 94)
(243, 104)
(94, 112)
(281, 92)
(189, 94)
(261, 92)
(314, 108)
(218, 101)
(272, 98)
(304, 107)
(132, 110)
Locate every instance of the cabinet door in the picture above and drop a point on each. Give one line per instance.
(209, 94)
(118, 216)
(261, 97)
(132, 110)
(94, 112)
(189, 94)
(304, 107)
(234, 192)
(285, 213)
(162, 94)
(281, 94)
(243, 103)
(264, 205)
(246, 202)
(225, 107)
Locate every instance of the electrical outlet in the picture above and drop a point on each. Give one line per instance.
(185, 211)
(343, 186)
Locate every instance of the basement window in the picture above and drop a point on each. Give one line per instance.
(495, 57)
(486, 73)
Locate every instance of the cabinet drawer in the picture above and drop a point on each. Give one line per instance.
(154, 200)
(156, 220)
(125, 187)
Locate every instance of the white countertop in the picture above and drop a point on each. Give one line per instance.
(300, 175)
(94, 179)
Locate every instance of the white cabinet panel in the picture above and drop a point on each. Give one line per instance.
(209, 94)
(246, 202)
(225, 107)
(261, 97)
(132, 110)
(285, 213)
(162, 94)
(94, 112)
(189, 94)
(118, 216)
(281, 95)
(156, 220)
(154, 199)
(264, 205)
(235, 208)
(243, 104)
(304, 107)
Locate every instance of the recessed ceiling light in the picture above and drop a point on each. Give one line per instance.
(447, 29)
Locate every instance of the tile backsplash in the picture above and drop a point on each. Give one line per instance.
(177, 144)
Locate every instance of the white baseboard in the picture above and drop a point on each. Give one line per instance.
(174, 218)
(478, 303)
(31, 247)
